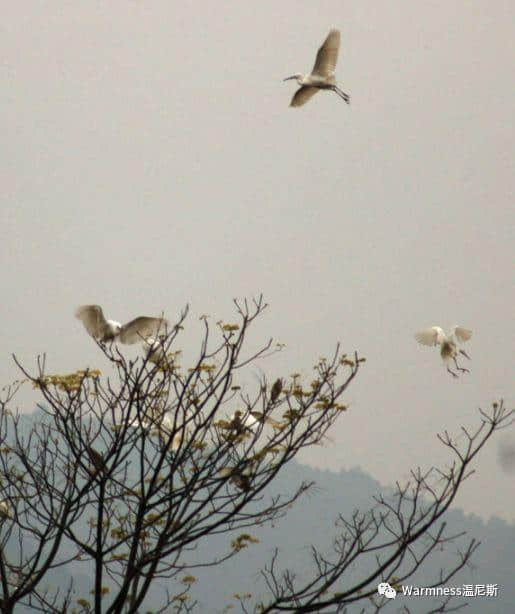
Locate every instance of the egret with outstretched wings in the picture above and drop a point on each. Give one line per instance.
(448, 343)
(139, 329)
(322, 75)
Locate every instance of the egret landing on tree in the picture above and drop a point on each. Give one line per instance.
(322, 75)
(448, 343)
(137, 330)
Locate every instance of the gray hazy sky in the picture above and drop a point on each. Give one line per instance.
(149, 159)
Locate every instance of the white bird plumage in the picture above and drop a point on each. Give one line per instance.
(5, 509)
(155, 349)
(322, 75)
(448, 343)
(243, 421)
(139, 329)
(164, 427)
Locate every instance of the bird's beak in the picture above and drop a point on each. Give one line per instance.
(288, 78)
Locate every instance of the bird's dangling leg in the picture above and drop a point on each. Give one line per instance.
(452, 372)
(341, 94)
(464, 354)
(462, 369)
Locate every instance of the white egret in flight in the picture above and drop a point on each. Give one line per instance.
(322, 75)
(136, 330)
(449, 343)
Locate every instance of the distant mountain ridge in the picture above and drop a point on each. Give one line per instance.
(311, 521)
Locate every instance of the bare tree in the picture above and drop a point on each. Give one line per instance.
(392, 540)
(124, 476)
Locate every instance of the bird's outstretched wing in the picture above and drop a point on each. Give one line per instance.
(327, 55)
(141, 328)
(93, 319)
(302, 95)
(462, 334)
(430, 336)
